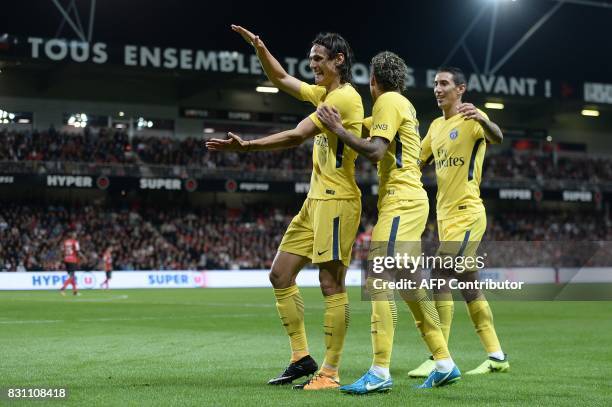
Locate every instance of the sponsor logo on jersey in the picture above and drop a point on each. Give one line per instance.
(321, 140)
(444, 160)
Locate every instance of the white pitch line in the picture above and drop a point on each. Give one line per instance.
(32, 321)
(62, 299)
(51, 321)
(117, 297)
(225, 304)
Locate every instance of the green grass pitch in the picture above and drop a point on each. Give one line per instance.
(220, 346)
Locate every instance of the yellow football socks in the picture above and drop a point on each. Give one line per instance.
(445, 307)
(335, 325)
(383, 323)
(482, 317)
(428, 323)
(290, 306)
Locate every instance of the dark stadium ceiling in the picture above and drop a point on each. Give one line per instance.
(571, 43)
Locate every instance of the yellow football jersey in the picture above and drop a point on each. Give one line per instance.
(333, 163)
(457, 147)
(394, 119)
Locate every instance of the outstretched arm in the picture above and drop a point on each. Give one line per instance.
(273, 69)
(373, 148)
(492, 132)
(278, 141)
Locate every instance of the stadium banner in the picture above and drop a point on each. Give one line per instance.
(235, 62)
(53, 280)
(585, 275)
(598, 92)
(7, 179)
(127, 183)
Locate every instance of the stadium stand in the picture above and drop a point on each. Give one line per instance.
(217, 237)
(187, 157)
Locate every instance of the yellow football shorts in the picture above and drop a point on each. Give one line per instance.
(400, 225)
(461, 235)
(324, 230)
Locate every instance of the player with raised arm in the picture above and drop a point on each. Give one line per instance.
(72, 255)
(403, 208)
(324, 230)
(456, 143)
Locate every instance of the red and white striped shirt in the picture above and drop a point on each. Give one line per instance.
(71, 251)
(107, 258)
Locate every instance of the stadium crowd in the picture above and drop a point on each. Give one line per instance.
(217, 237)
(546, 166)
(103, 146)
(114, 146)
(143, 239)
(189, 152)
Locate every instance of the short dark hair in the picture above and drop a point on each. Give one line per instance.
(336, 44)
(390, 71)
(458, 75)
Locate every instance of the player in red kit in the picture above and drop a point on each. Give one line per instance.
(72, 252)
(107, 259)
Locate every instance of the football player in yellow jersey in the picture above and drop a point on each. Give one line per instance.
(324, 230)
(394, 143)
(456, 143)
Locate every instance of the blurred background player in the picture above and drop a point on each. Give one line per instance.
(72, 257)
(456, 142)
(107, 259)
(403, 208)
(362, 245)
(324, 230)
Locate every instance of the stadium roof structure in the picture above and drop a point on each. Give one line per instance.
(542, 38)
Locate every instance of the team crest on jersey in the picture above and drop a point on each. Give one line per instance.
(454, 134)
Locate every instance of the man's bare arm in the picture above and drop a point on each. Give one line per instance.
(272, 68)
(493, 133)
(373, 148)
(278, 141)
